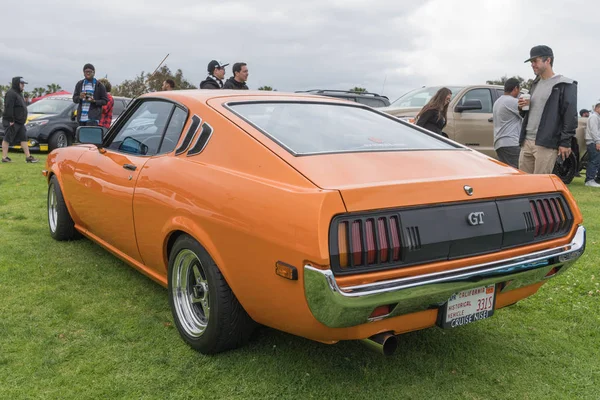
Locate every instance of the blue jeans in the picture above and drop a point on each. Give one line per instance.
(593, 162)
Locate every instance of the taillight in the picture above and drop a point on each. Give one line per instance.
(549, 216)
(369, 241)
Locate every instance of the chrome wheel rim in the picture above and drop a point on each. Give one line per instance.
(61, 140)
(52, 208)
(190, 293)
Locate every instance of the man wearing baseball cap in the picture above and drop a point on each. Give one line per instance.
(550, 115)
(216, 73)
(14, 119)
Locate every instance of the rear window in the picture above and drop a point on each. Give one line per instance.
(305, 128)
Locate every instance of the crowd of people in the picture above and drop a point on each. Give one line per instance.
(532, 131)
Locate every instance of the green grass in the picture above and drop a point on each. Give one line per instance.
(76, 323)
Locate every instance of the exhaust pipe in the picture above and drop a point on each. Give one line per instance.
(384, 343)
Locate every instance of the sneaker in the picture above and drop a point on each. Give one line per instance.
(592, 183)
(31, 159)
(6, 159)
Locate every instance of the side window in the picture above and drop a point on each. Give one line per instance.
(499, 93)
(173, 131)
(371, 102)
(118, 108)
(142, 133)
(483, 95)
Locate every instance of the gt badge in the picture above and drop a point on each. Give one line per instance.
(475, 218)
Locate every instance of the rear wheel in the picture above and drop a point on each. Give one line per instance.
(567, 170)
(58, 139)
(207, 314)
(60, 222)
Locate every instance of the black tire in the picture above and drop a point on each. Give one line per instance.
(58, 139)
(60, 223)
(208, 316)
(567, 171)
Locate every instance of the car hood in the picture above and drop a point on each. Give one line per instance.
(401, 111)
(374, 180)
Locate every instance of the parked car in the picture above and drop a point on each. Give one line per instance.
(362, 226)
(470, 121)
(370, 99)
(51, 122)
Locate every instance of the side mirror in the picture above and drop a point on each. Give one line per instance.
(90, 135)
(469, 105)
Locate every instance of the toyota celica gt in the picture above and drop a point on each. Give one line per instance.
(314, 216)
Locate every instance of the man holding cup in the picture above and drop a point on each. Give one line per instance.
(550, 115)
(90, 94)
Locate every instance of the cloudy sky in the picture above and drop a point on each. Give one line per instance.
(384, 46)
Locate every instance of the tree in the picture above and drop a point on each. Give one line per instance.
(37, 92)
(524, 84)
(267, 88)
(52, 88)
(146, 82)
(357, 89)
(131, 88)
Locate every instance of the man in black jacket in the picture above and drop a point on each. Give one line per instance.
(14, 118)
(239, 78)
(550, 117)
(216, 73)
(90, 94)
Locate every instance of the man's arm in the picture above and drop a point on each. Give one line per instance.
(77, 93)
(102, 98)
(569, 115)
(9, 107)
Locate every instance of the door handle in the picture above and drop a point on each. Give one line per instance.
(491, 119)
(130, 167)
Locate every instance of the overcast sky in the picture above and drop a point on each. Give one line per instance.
(384, 46)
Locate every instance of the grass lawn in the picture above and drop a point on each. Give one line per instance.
(76, 323)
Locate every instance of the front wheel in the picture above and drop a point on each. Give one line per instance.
(567, 170)
(207, 314)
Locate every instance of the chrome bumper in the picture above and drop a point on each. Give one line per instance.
(338, 307)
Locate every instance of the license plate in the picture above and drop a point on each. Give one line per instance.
(469, 306)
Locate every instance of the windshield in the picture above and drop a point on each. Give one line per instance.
(316, 128)
(50, 105)
(420, 97)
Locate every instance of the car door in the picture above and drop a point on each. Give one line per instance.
(475, 128)
(106, 177)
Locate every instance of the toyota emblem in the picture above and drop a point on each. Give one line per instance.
(468, 190)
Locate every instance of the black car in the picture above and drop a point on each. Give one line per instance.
(51, 122)
(367, 98)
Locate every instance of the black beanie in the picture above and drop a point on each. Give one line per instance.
(89, 66)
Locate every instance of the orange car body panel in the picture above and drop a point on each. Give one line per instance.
(251, 203)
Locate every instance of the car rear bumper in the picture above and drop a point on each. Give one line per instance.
(337, 307)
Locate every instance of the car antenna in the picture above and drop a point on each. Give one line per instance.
(383, 87)
(150, 77)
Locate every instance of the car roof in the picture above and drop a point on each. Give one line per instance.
(203, 96)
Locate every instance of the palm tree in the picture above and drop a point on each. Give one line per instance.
(52, 88)
(38, 91)
(268, 88)
(357, 89)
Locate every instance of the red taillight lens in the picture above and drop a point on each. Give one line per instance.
(383, 239)
(395, 230)
(370, 242)
(549, 216)
(343, 243)
(356, 241)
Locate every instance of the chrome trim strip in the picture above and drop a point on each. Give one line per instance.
(350, 306)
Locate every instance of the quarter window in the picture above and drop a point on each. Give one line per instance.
(173, 131)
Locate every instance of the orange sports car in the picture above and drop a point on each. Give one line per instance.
(318, 217)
